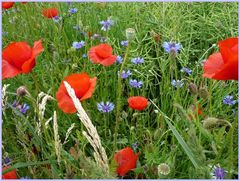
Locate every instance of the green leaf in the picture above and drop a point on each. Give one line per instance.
(184, 145)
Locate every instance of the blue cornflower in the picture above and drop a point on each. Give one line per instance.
(134, 83)
(219, 173)
(68, 3)
(106, 24)
(24, 108)
(84, 55)
(72, 10)
(7, 161)
(137, 60)
(171, 46)
(78, 45)
(135, 146)
(15, 103)
(56, 19)
(186, 70)
(177, 83)
(76, 27)
(125, 74)
(119, 59)
(124, 43)
(228, 100)
(108, 107)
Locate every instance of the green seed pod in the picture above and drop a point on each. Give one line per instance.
(193, 88)
(203, 93)
(130, 34)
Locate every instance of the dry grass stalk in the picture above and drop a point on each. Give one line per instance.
(91, 134)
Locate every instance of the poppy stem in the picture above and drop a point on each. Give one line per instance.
(35, 82)
(119, 94)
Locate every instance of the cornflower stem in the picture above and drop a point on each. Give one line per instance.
(176, 77)
(119, 93)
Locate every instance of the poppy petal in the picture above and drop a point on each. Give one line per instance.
(7, 5)
(93, 56)
(37, 48)
(50, 12)
(228, 72)
(109, 61)
(228, 48)
(212, 65)
(126, 159)
(103, 50)
(28, 65)
(17, 53)
(129, 165)
(64, 101)
(90, 91)
(9, 71)
(79, 82)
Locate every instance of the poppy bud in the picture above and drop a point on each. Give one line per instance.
(130, 34)
(22, 91)
(203, 93)
(209, 123)
(212, 122)
(193, 88)
(155, 36)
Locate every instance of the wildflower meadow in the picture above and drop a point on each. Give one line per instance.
(119, 90)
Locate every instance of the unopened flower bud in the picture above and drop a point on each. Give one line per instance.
(212, 122)
(22, 91)
(203, 93)
(130, 34)
(193, 88)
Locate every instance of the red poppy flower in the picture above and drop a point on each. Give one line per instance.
(137, 102)
(102, 54)
(126, 159)
(50, 12)
(19, 57)
(9, 175)
(7, 5)
(223, 65)
(83, 86)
